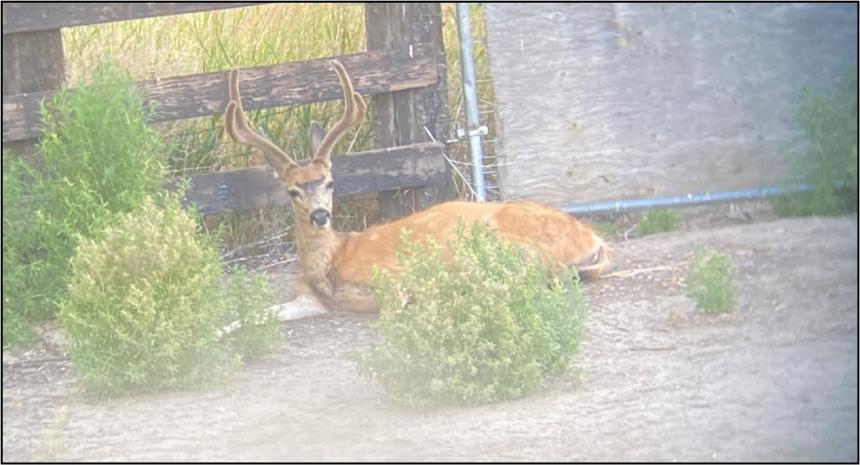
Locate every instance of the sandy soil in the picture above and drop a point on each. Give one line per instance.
(654, 380)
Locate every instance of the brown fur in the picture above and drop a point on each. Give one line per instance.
(336, 267)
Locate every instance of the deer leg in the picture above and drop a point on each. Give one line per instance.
(355, 298)
(304, 305)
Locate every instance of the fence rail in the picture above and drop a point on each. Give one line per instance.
(262, 87)
(31, 17)
(405, 76)
(372, 171)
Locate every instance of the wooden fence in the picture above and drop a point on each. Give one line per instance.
(403, 70)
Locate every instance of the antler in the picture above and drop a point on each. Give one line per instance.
(353, 114)
(238, 127)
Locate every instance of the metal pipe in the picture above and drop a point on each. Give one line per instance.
(470, 97)
(681, 200)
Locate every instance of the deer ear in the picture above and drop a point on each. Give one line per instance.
(315, 136)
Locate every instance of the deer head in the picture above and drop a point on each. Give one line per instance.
(310, 186)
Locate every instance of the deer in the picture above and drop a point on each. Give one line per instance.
(336, 267)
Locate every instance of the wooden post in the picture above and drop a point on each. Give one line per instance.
(32, 62)
(400, 118)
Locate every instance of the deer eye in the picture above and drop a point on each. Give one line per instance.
(294, 193)
(330, 185)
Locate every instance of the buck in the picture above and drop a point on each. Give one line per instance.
(336, 267)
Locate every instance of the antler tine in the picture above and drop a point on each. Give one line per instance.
(360, 110)
(238, 127)
(353, 113)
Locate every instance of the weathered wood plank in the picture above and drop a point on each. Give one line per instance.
(406, 116)
(41, 16)
(32, 62)
(262, 87)
(373, 171)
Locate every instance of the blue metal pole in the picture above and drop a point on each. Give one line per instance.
(681, 200)
(470, 96)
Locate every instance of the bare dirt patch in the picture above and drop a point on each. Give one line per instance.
(654, 380)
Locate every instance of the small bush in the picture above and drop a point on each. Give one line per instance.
(98, 158)
(247, 298)
(656, 221)
(710, 281)
(486, 325)
(145, 305)
(829, 163)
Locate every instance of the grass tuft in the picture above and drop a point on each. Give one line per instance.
(657, 221)
(710, 281)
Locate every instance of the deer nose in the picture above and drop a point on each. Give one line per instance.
(320, 217)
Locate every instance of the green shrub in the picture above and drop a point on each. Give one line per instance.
(20, 268)
(710, 281)
(97, 159)
(829, 163)
(656, 221)
(247, 298)
(486, 325)
(146, 304)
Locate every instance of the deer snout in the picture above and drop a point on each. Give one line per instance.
(320, 217)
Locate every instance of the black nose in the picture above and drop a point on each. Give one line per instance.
(320, 217)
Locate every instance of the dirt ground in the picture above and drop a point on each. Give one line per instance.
(776, 380)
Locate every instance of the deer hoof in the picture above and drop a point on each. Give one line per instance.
(301, 307)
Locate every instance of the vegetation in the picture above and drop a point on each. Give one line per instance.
(18, 244)
(247, 298)
(98, 159)
(605, 229)
(828, 158)
(487, 325)
(656, 221)
(145, 305)
(135, 285)
(710, 281)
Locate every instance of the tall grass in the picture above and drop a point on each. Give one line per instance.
(255, 36)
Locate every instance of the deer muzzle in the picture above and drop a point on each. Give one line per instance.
(320, 217)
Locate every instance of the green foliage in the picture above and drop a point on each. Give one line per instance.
(710, 281)
(829, 163)
(656, 221)
(97, 159)
(247, 298)
(18, 244)
(605, 228)
(145, 305)
(141, 310)
(486, 325)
